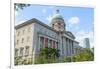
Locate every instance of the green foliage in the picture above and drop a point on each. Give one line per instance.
(47, 55)
(16, 60)
(50, 55)
(66, 59)
(20, 61)
(20, 6)
(84, 55)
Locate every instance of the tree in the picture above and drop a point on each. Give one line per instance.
(47, 55)
(84, 55)
(67, 59)
(20, 6)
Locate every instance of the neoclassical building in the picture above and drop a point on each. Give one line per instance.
(33, 34)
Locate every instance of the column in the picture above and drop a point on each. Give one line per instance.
(72, 48)
(64, 44)
(39, 44)
(44, 43)
(57, 46)
(68, 47)
(62, 47)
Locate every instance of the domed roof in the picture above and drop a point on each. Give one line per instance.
(57, 15)
(57, 21)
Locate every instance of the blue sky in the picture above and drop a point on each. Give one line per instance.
(79, 20)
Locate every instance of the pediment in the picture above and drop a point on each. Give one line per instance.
(70, 34)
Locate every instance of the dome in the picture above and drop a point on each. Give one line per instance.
(57, 18)
(57, 15)
(57, 21)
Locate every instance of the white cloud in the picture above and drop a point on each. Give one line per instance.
(82, 34)
(74, 20)
(49, 18)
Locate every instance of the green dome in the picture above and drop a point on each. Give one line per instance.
(57, 18)
(57, 15)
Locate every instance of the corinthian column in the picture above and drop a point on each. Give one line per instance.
(68, 48)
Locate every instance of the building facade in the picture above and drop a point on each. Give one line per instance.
(86, 43)
(33, 34)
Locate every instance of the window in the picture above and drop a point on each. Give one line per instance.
(18, 33)
(50, 43)
(53, 44)
(53, 25)
(27, 50)
(41, 42)
(23, 31)
(17, 42)
(59, 24)
(22, 40)
(21, 51)
(16, 52)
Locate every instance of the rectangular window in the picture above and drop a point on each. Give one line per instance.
(16, 52)
(27, 50)
(53, 44)
(23, 31)
(22, 40)
(41, 42)
(17, 42)
(50, 43)
(46, 42)
(21, 51)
